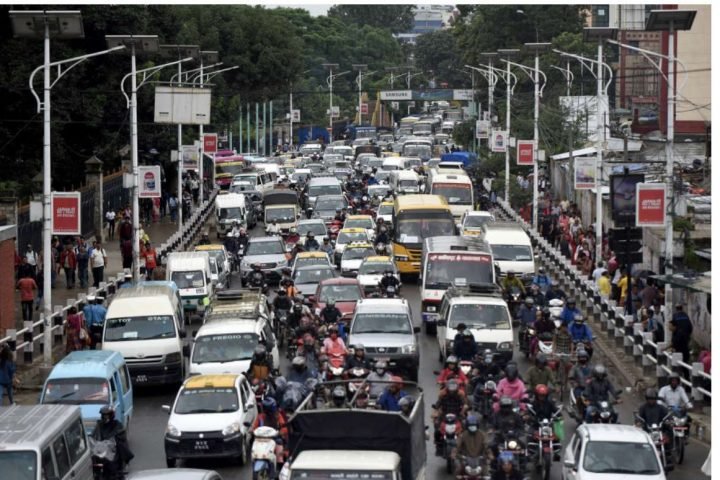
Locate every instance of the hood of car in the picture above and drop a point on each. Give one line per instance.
(382, 339)
(205, 422)
(306, 288)
(272, 258)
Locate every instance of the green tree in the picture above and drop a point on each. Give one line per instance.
(438, 51)
(396, 18)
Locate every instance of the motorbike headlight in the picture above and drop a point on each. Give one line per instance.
(680, 421)
(505, 346)
(546, 432)
(409, 349)
(231, 429)
(172, 430)
(512, 445)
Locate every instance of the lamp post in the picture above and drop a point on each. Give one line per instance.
(508, 53)
(212, 57)
(392, 71)
(491, 78)
(331, 67)
(489, 57)
(410, 76)
(360, 68)
(180, 52)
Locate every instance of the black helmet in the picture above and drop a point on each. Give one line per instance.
(297, 307)
(599, 372)
(651, 394)
(339, 395)
(511, 371)
(282, 292)
(541, 359)
(260, 352)
(107, 413)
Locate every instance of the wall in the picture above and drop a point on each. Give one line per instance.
(693, 49)
(7, 274)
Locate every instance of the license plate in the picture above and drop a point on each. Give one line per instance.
(202, 445)
(415, 264)
(382, 359)
(141, 378)
(679, 433)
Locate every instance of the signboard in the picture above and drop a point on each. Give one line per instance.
(482, 129)
(486, 115)
(650, 204)
(525, 152)
(149, 177)
(66, 213)
(210, 143)
(295, 115)
(499, 139)
(335, 112)
(622, 198)
(188, 106)
(364, 108)
(585, 172)
(190, 157)
(395, 105)
(464, 95)
(396, 95)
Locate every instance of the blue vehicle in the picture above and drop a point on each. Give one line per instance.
(91, 379)
(468, 159)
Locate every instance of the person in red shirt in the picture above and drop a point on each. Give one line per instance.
(150, 260)
(68, 262)
(27, 287)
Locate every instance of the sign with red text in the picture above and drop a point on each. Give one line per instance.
(525, 152)
(149, 178)
(650, 203)
(210, 143)
(66, 213)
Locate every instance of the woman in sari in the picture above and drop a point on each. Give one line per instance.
(72, 331)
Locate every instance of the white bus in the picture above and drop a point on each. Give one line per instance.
(457, 188)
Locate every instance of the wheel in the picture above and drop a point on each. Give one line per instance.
(680, 450)
(171, 462)
(261, 475)
(448, 464)
(242, 458)
(546, 467)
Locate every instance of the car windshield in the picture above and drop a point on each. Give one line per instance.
(317, 190)
(456, 194)
(621, 458)
(380, 191)
(357, 253)
(241, 187)
(329, 203)
(224, 348)
(476, 221)
(281, 215)
(512, 253)
(230, 213)
(339, 474)
(206, 400)
(265, 248)
(381, 323)
(417, 151)
(480, 316)
(385, 210)
(444, 269)
(229, 168)
(375, 268)
(412, 163)
(76, 391)
(340, 293)
(348, 237)
(408, 183)
(19, 465)
(317, 228)
(192, 279)
(314, 275)
(251, 179)
(139, 328)
(358, 223)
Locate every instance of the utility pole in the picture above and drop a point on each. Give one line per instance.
(508, 53)
(249, 128)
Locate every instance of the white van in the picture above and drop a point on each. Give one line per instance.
(457, 190)
(146, 325)
(191, 273)
(260, 180)
(348, 463)
(405, 181)
(228, 209)
(390, 164)
(511, 247)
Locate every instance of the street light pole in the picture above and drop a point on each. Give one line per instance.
(360, 69)
(330, 66)
(509, 86)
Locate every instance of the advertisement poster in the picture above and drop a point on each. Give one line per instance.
(499, 141)
(525, 152)
(210, 143)
(585, 172)
(66, 213)
(622, 198)
(149, 177)
(482, 129)
(650, 202)
(190, 156)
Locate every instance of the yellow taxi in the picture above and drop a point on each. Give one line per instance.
(353, 256)
(303, 259)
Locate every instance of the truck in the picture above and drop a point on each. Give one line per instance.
(468, 159)
(370, 442)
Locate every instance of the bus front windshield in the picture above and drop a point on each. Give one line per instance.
(416, 226)
(228, 168)
(444, 269)
(422, 151)
(455, 193)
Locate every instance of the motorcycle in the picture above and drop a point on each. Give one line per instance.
(266, 454)
(512, 445)
(525, 336)
(357, 381)
(336, 365)
(483, 400)
(513, 299)
(450, 429)
(281, 326)
(660, 439)
(603, 412)
(472, 468)
(679, 424)
(545, 445)
(334, 228)
(104, 452)
(389, 292)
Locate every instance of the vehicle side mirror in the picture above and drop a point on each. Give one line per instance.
(569, 463)
(193, 333)
(247, 424)
(442, 323)
(416, 329)
(166, 409)
(249, 407)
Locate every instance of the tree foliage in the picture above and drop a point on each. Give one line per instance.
(396, 18)
(438, 51)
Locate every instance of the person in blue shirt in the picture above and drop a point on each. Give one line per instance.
(541, 280)
(94, 313)
(390, 398)
(580, 332)
(372, 180)
(569, 312)
(526, 313)
(555, 292)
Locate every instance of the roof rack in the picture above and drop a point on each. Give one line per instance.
(237, 303)
(463, 289)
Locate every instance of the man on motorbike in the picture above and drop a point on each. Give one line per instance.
(506, 468)
(390, 398)
(451, 399)
(298, 370)
(204, 239)
(334, 346)
(452, 370)
(377, 379)
(339, 216)
(307, 349)
(580, 375)
(231, 243)
(293, 236)
(599, 390)
(555, 292)
(272, 229)
(108, 428)
(242, 239)
(542, 405)
(389, 280)
(256, 278)
(539, 374)
(544, 329)
(339, 398)
(294, 318)
(581, 334)
(311, 243)
(472, 443)
(511, 281)
(330, 314)
(382, 236)
(466, 349)
(282, 303)
(541, 280)
(653, 413)
(511, 385)
(673, 395)
(358, 360)
(261, 364)
(505, 420)
(567, 316)
(327, 248)
(526, 315)
(271, 416)
(537, 295)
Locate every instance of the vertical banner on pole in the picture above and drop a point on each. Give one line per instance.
(650, 205)
(585, 173)
(525, 152)
(149, 181)
(210, 143)
(66, 213)
(499, 141)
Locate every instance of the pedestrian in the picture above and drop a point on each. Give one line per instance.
(125, 231)
(7, 373)
(83, 258)
(683, 320)
(150, 260)
(195, 188)
(173, 204)
(27, 287)
(110, 218)
(39, 280)
(25, 269)
(74, 325)
(604, 284)
(679, 341)
(68, 260)
(649, 294)
(95, 313)
(164, 203)
(126, 250)
(98, 262)
(31, 257)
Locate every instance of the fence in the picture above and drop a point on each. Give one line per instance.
(29, 340)
(115, 196)
(620, 329)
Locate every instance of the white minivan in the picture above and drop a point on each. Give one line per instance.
(229, 208)
(192, 274)
(146, 325)
(511, 247)
(405, 181)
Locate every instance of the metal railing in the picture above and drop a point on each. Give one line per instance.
(619, 328)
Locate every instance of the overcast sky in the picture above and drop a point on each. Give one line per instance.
(315, 9)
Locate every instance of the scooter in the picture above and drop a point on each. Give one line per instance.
(473, 468)
(266, 453)
(545, 445)
(450, 429)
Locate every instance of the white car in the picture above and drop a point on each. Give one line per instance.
(209, 419)
(361, 221)
(611, 452)
(353, 256)
(385, 211)
(472, 222)
(371, 271)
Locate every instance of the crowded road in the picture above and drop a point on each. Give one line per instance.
(149, 422)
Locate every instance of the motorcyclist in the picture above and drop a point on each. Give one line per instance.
(256, 278)
(537, 295)
(472, 443)
(389, 280)
(511, 281)
(542, 405)
(273, 228)
(330, 314)
(541, 280)
(311, 242)
(339, 216)
(271, 416)
(261, 364)
(539, 374)
(581, 333)
(506, 468)
(242, 239)
(358, 359)
(581, 374)
(293, 236)
(406, 404)
(567, 316)
(673, 394)
(372, 180)
(204, 239)
(377, 377)
(298, 370)
(235, 231)
(308, 350)
(598, 390)
(526, 315)
(328, 248)
(451, 399)
(466, 349)
(109, 428)
(390, 398)
(651, 412)
(231, 243)
(511, 385)
(505, 420)
(334, 346)
(555, 292)
(452, 370)
(382, 236)
(339, 398)
(295, 316)
(544, 329)
(281, 302)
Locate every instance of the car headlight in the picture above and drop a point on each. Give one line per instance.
(172, 430)
(231, 429)
(409, 349)
(402, 258)
(173, 358)
(431, 308)
(505, 346)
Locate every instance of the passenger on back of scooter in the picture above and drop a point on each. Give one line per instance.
(452, 370)
(358, 359)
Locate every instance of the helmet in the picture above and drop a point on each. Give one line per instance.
(570, 301)
(331, 302)
(505, 458)
(269, 405)
(388, 271)
(529, 302)
(579, 318)
(339, 395)
(555, 283)
(453, 385)
(360, 347)
(451, 359)
(380, 367)
(256, 266)
(506, 403)
(298, 362)
(511, 371)
(332, 329)
(242, 231)
(286, 270)
(651, 394)
(260, 352)
(310, 235)
(599, 372)
(293, 230)
(541, 359)
(297, 307)
(472, 420)
(541, 270)
(326, 239)
(107, 413)
(582, 353)
(467, 334)
(406, 404)
(542, 390)
(282, 292)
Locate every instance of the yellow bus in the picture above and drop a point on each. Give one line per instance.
(415, 218)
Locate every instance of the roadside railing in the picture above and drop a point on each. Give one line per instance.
(620, 329)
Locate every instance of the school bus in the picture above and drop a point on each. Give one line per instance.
(415, 218)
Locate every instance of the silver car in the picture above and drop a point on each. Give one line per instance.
(270, 253)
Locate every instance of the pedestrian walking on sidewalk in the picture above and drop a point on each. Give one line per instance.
(83, 258)
(126, 250)
(25, 269)
(68, 260)
(32, 257)
(95, 313)
(27, 287)
(110, 217)
(73, 325)
(98, 262)
(7, 373)
(150, 256)
(173, 204)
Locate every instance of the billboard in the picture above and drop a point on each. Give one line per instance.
(188, 106)
(149, 177)
(295, 115)
(190, 157)
(210, 142)
(525, 152)
(622, 198)
(499, 140)
(650, 202)
(396, 95)
(482, 129)
(585, 173)
(66, 213)
(463, 95)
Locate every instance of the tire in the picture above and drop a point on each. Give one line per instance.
(171, 462)
(243, 457)
(449, 465)
(261, 475)
(680, 451)
(547, 466)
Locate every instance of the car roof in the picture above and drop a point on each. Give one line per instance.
(478, 213)
(383, 305)
(265, 239)
(323, 180)
(476, 299)
(173, 474)
(209, 248)
(358, 245)
(315, 254)
(377, 258)
(353, 230)
(358, 217)
(311, 220)
(228, 324)
(600, 432)
(87, 364)
(314, 267)
(356, 460)
(211, 381)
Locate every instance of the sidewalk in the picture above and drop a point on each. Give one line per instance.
(158, 232)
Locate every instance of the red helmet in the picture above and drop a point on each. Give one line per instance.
(542, 390)
(300, 342)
